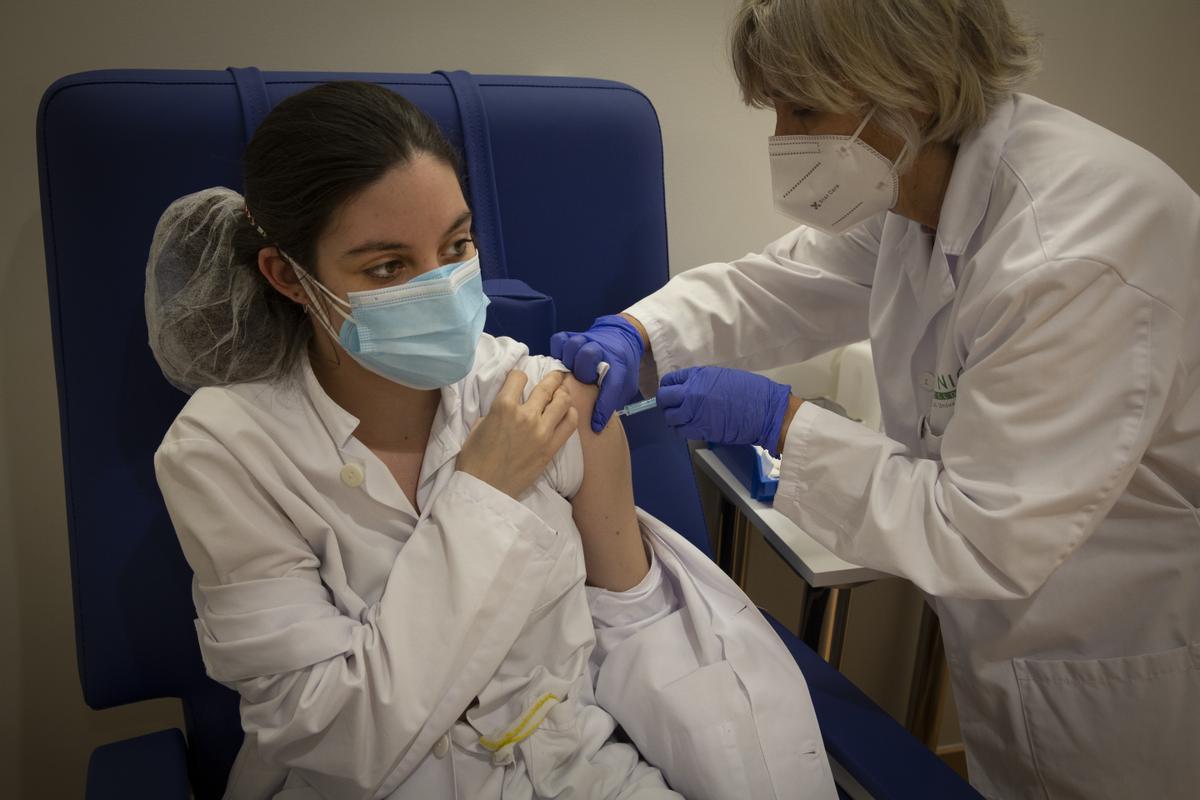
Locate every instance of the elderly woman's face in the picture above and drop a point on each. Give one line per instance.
(795, 120)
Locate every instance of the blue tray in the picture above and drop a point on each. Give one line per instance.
(746, 465)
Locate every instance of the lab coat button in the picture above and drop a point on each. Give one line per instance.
(927, 382)
(442, 746)
(353, 475)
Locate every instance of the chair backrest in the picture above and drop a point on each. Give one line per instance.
(578, 174)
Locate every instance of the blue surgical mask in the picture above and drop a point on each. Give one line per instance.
(420, 334)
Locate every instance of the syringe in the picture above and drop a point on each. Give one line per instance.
(638, 407)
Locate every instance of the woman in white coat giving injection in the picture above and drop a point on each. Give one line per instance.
(1030, 285)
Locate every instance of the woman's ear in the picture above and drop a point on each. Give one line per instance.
(279, 273)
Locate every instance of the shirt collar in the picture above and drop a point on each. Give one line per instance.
(446, 436)
(971, 181)
(340, 423)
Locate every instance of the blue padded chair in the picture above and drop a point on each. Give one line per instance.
(565, 177)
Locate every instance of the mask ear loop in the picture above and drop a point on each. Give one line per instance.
(321, 313)
(862, 124)
(305, 280)
(899, 156)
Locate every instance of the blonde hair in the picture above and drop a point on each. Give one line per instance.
(953, 60)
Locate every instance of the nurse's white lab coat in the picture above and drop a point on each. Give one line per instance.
(455, 652)
(1039, 475)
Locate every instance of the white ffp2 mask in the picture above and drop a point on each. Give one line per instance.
(831, 182)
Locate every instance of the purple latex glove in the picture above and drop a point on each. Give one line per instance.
(611, 339)
(725, 406)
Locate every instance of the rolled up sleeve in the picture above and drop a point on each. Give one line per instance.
(631, 610)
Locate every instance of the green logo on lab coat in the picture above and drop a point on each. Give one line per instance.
(946, 387)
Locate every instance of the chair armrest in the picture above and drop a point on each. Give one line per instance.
(876, 751)
(154, 765)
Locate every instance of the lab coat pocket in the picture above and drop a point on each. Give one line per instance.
(554, 757)
(1114, 727)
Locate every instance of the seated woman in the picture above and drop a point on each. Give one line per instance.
(415, 562)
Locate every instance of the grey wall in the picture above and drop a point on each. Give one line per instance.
(1129, 66)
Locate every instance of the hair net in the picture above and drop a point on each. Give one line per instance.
(213, 319)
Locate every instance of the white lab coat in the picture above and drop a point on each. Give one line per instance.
(1039, 475)
(451, 651)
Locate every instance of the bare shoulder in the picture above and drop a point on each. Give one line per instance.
(602, 451)
(583, 397)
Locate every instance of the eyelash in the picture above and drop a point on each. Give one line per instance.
(459, 247)
(373, 271)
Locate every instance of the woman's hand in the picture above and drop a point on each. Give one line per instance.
(511, 446)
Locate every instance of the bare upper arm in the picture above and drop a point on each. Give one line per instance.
(607, 452)
(603, 507)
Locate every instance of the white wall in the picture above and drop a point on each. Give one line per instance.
(1129, 66)
(1134, 67)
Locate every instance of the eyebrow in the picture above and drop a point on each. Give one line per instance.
(379, 244)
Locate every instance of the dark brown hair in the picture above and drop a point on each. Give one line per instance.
(319, 148)
(311, 154)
